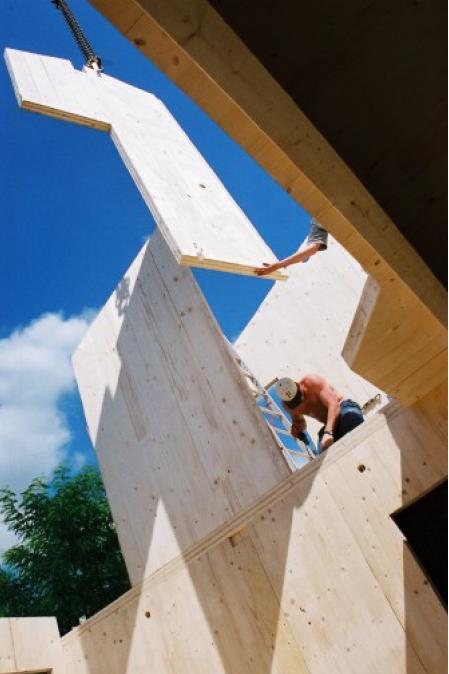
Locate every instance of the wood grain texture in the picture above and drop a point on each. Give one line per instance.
(320, 582)
(30, 645)
(301, 326)
(192, 44)
(201, 222)
(219, 615)
(7, 655)
(181, 443)
(360, 321)
(397, 345)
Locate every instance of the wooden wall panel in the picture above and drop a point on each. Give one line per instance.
(30, 645)
(301, 326)
(7, 656)
(216, 616)
(199, 219)
(320, 582)
(347, 560)
(180, 441)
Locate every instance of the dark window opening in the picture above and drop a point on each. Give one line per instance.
(424, 525)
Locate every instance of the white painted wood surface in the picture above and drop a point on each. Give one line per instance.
(181, 443)
(301, 326)
(30, 645)
(199, 219)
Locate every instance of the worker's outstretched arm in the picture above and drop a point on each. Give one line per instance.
(301, 255)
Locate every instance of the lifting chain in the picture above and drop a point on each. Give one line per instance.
(92, 60)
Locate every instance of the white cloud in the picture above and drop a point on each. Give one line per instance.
(35, 372)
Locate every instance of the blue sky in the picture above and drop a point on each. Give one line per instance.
(72, 222)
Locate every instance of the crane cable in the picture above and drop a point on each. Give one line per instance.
(92, 60)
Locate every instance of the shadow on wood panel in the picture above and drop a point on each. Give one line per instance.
(421, 434)
(232, 589)
(221, 614)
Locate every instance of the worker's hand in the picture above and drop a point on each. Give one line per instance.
(326, 442)
(297, 429)
(267, 269)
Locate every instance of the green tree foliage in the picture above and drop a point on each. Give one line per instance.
(67, 561)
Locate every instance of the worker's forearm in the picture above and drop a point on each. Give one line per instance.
(300, 422)
(300, 255)
(332, 416)
(303, 254)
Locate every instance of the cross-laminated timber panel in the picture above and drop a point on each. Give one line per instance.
(179, 438)
(320, 581)
(199, 219)
(30, 645)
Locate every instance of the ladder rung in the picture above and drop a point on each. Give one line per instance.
(301, 453)
(259, 391)
(282, 431)
(272, 413)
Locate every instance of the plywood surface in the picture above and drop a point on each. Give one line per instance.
(181, 443)
(320, 581)
(7, 655)
(201, 222)
(219, 615)
(30, 645)
(392, 341)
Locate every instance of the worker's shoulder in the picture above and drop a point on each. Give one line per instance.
(312, 379)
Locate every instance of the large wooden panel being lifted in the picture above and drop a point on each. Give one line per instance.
(181, 443)
(197, 216)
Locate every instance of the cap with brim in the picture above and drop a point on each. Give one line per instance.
(289, 391)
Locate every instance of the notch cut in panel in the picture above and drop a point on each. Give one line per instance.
(424, 525)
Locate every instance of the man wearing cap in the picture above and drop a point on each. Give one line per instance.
(315, 397)
(316, 241)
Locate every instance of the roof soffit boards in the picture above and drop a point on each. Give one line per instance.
(372, 77)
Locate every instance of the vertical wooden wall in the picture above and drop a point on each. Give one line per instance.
(30, 645)
(318, 578)
(320, 582)
(180, 441)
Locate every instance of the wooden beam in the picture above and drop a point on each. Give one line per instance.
(202, 224)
